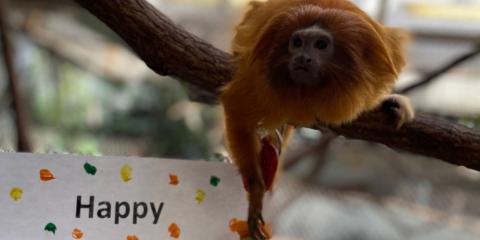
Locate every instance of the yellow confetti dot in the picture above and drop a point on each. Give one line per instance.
(200, 196)
(126, 172)
(16, 193)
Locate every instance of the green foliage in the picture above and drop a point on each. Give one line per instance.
(82, 109)
(75, 111)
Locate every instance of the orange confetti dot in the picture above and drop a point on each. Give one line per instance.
(46, 175)
(77, 233)
(174, 230)
(132, 237)
(173, 179)
(241, 227)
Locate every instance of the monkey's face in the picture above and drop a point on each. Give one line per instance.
(316, 49)
(310, 49)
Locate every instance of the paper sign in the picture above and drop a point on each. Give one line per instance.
(81, 197)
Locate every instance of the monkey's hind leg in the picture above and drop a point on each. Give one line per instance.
(244, 146)
(400, 108)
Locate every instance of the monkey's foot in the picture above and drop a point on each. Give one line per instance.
(255, 202)
(255, 223)
(400, 109)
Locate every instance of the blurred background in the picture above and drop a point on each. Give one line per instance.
(82, 90)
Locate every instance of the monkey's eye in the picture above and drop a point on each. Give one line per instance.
(297, 42)
(321, 44)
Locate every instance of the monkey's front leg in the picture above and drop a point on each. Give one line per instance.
(244, 146)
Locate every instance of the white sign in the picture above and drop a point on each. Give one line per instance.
(82, 197)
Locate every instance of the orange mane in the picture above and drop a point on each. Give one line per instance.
(364, 68)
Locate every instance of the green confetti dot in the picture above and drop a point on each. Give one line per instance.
(50, 227)
(214, 181)
(90, 169)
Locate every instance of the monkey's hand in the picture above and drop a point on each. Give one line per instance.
(400, 108)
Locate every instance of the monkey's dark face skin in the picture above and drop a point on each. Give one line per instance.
(310, 49)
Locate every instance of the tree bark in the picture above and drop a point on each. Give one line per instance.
(426, 135)
(170, 50)
(165, 47)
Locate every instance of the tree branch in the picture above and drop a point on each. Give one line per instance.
(166, 48)
(170, 50)
(23, 143)
(426, 135)
(439, 72)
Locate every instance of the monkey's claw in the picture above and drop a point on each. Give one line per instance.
(399, 108)
(255, 222)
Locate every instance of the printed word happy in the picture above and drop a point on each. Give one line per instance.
(118, 210)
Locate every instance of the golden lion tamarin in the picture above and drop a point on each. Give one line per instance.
(300, 62)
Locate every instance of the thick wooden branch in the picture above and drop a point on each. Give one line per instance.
(426, 135)
(170, 50)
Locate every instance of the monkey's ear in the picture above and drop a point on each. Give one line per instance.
(396, 41)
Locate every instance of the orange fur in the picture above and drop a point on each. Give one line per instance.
(366, 62)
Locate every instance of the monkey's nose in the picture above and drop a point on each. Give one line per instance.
(303, 59)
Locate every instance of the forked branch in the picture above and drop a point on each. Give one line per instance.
(170, 50)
